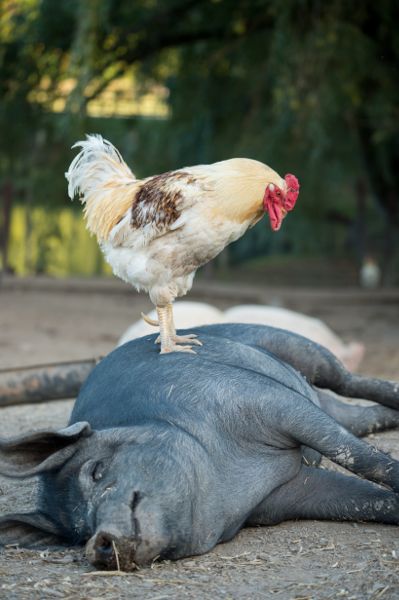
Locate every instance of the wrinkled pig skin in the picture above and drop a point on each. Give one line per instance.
(165, 456)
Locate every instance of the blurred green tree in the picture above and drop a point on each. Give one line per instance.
(304, 85)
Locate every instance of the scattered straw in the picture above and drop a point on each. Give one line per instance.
(118, 566)
(105, 574)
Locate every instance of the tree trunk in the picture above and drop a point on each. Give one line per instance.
(388, 254)
(360, 221)
(7, 197)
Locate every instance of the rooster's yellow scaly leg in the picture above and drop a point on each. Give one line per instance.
(167, 333)
(189, 338)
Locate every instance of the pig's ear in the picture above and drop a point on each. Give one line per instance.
(29, 530)
(40, 451)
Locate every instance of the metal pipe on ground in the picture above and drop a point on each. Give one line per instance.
(41, 383)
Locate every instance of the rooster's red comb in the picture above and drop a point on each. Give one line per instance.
(292, 191)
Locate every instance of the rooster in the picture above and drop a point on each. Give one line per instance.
(156, 232)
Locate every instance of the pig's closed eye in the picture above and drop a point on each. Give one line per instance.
(97, 471)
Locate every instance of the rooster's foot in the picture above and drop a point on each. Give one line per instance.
(176, 348)
(190, 338)
(182, 339)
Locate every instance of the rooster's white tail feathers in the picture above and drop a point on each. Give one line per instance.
(103, 181)
(98, 163)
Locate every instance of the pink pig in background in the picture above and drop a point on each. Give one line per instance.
(190, 314)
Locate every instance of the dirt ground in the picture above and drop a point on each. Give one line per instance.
(296, 560)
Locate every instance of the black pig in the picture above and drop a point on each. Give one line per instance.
(165, 456)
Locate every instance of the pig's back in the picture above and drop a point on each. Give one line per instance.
(134, 384)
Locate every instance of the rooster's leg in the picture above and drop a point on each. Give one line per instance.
(189, 338)
(167, 334)
(169, 308)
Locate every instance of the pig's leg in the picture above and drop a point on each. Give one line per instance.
(308, 425)
(310, 457)
(323, 369)
(320, 494)
(316, 363)
(353, 386)
(359, 420)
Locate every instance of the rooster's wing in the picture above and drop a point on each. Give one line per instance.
(159, 206)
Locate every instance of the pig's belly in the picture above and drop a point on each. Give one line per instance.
(249, 483)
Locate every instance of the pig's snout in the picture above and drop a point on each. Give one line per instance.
(109, 550)
(127, 535)
(115, 542)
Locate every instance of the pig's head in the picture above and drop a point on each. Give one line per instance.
(127, 493)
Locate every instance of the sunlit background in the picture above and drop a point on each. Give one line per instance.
(309, 87)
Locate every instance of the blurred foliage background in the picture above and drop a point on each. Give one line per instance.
(307, 86)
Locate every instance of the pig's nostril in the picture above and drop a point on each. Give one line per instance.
(104, 549)
(103, 545)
